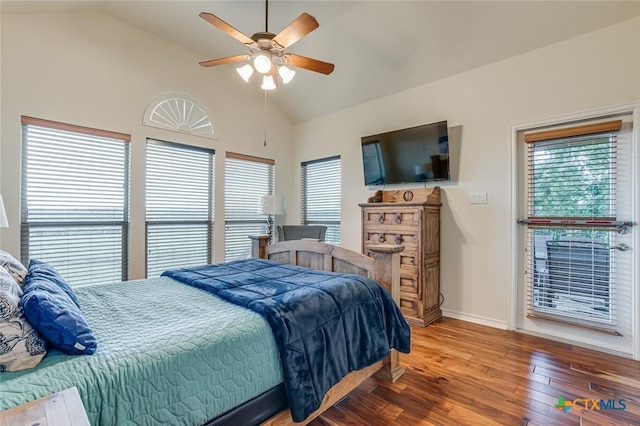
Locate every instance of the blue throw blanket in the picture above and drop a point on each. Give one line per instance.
(325, 324)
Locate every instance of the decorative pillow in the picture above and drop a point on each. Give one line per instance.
(13, 266)
(10, 294)
(56, 315)
(41, 269)
(20, 345)
(44, 270)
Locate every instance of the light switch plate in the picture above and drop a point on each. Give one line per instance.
(478, 198)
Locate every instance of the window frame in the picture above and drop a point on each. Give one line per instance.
(254, 223)
(334, 227)
(209, 221)
(27, 224)
(578, 241)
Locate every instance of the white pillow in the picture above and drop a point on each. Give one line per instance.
(10, 294)
(21, 346)
(13, 266)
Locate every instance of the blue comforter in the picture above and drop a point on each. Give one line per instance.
(325, 324)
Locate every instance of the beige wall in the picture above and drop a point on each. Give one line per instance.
(596, 70)
(91, 70)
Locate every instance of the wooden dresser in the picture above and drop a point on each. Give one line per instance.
(410, 217)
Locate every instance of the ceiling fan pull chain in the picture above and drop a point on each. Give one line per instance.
(265, 118)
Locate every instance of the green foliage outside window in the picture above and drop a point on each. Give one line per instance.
(573, 180)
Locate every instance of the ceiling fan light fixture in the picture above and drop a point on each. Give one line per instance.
(267, 50)
(262, 62)
(286, 74)
(268, 83)
(245, 72)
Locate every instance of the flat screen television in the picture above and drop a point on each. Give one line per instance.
(416, 154)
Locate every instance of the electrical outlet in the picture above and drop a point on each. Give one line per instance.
(478, 198)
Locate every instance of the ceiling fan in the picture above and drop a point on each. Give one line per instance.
(268, 55)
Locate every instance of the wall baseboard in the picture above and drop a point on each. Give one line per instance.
(490, 322)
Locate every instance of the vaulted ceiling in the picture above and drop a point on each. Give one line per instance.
(378, 47)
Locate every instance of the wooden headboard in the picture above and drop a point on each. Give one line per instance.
(383, 267)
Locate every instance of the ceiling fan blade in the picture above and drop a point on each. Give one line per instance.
(300, 27)
(217, 22)
(227, 60)
(309, 64)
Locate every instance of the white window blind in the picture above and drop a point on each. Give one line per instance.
(75, 200)
(572, 185)
(321, 195)
(179, 206)
(247, 179)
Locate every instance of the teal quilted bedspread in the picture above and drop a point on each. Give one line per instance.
(167, 353)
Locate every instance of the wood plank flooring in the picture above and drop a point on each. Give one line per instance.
(459, 373)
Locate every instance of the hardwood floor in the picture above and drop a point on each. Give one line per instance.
(468, 374)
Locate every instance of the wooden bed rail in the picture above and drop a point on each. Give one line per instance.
(383, 267)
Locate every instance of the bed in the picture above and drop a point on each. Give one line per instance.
(170, 353)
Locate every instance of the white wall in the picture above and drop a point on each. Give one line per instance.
(91, 70)
(591, 71)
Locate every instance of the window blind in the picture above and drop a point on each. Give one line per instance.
(572, 183)
(573, 177)
(75, 200)
(247, 179)
(321, 195)
(179, 206)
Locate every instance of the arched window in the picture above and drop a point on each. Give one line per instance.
(180, 113)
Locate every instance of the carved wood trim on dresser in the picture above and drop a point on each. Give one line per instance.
(410, 217)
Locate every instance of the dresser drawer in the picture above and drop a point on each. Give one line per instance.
(409, 284)
(408, 305)
(407, 238)
(394, 217)
(409, 262)
(408, 257)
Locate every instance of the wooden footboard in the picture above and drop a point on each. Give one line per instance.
(383, 267)
(335, 394)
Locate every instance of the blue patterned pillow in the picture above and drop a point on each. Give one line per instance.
(43, 269)
(54, 313)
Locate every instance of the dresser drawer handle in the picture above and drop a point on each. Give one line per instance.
(381, 238)
(398, 219)
(381, 217)
(398, 239)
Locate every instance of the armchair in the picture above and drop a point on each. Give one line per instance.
(298, 232)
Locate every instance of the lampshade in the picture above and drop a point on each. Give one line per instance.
(245, 72)
(265, 63)
(262, 62)
(4, 223)
(268, 83)
(286, 74)
(270, 204)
